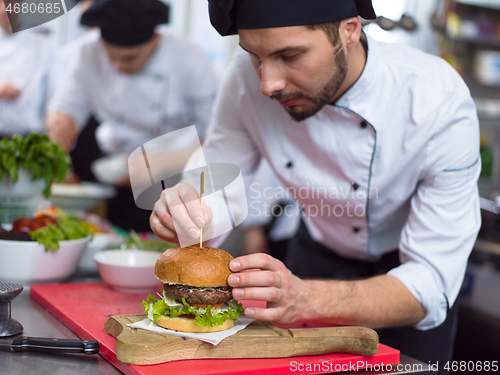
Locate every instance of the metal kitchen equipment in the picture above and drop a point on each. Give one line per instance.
(8, 326)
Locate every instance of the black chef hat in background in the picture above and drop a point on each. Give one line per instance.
(227, 16)
(126, 22)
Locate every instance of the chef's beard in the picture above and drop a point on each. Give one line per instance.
(323, 96)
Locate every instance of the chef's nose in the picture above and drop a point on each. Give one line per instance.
(272, 80)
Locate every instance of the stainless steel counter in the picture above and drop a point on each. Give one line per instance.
(40, 323)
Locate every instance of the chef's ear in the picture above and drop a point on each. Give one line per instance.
(351, 27)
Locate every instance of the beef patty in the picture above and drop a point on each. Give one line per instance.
(192, 294)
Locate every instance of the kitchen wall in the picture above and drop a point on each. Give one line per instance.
(420, 10)
(468, 36)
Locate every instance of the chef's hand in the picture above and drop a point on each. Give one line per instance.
(188, 218)
(261, 277)
(8, 91)
(61, 128)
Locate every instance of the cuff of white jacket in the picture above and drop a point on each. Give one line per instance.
(420, 282)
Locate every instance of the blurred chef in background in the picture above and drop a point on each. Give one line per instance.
(85, 150)
(137, 81)
(28, 75)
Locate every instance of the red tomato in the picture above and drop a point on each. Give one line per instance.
(24, 224)
(21, 224)
(45, 220)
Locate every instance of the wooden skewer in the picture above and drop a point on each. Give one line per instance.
(202, 191)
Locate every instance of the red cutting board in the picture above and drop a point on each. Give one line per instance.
(85, 307)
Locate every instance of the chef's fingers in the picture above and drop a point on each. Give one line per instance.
(160, 230)
(162, 216)
(260, 261)
(191, 199)
(176, 199)
(160, 209)
(253, 279)
(274, 314)
(268, 294)
(208, 213)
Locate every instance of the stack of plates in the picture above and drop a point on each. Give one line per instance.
(81, 196)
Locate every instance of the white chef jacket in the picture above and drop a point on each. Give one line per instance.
(265, 193)
(28, 61)
(175, 89)
(400, 148)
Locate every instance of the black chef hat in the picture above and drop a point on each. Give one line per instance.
(126, 22)
(227, 16)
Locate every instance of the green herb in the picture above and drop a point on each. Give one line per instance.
(160, 308)
(69, 228)
(135, 242)
(36, 153)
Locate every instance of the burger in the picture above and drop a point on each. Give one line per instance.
(196, 296)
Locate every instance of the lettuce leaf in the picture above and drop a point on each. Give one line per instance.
(156, 308)
(69, 228)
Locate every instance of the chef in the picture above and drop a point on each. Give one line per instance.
(28, 76)
(137, 81)
(380, 141)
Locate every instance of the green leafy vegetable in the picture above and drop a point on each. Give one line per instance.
(36, 153)
(156, 308)
(69, 228)
(136, 242)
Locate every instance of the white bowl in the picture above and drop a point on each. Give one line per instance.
(21, 198)
(81, 196)
(101, 241)
(23, 188)
(27, 262)
(110, 169)
(130, 271)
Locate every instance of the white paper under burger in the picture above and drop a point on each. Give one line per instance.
(212, 338)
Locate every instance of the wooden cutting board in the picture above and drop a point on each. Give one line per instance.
(257, 340)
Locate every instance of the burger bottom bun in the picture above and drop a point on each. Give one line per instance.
(190, 325)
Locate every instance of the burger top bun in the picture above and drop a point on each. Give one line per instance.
(195, 266)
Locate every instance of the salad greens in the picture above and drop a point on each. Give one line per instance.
(69, 228)
(136, 242)
(156, 308)
(36, 153)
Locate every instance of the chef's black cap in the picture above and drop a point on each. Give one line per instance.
(227, 16)
(126, 22)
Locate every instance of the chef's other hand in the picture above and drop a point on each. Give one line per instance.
(171, 205)
(261, 277)
(8, 91)
(61, 128)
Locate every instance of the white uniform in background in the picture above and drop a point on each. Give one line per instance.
(28, 61)
(175, 89)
